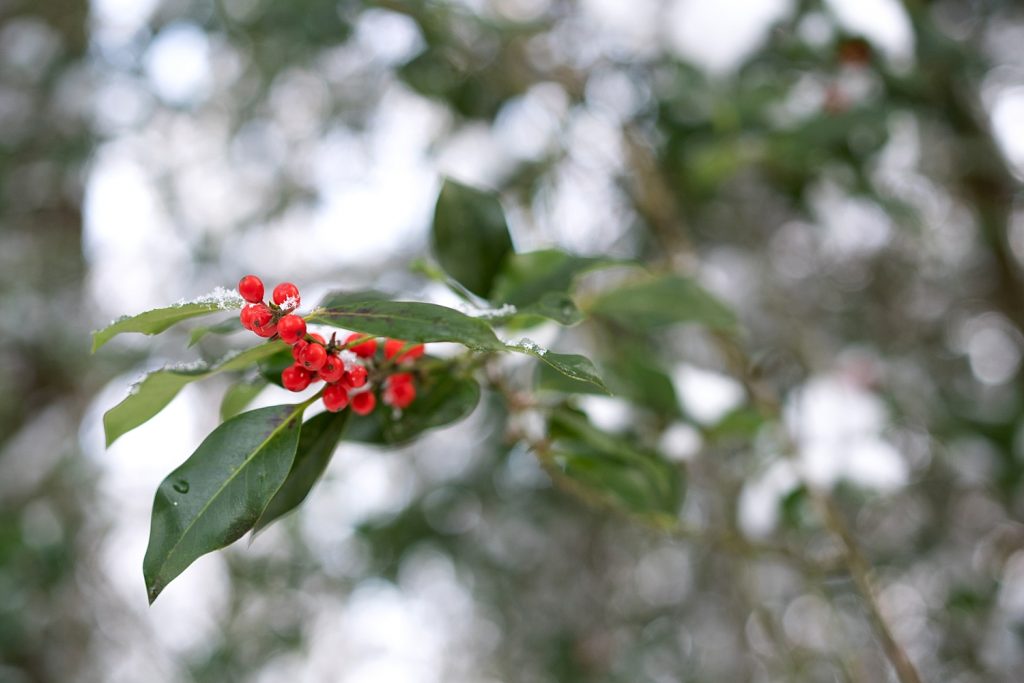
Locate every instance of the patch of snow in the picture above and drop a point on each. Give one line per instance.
(505, 311)
(527, 346)
(348, 359)
(290, 304)
(224, 299)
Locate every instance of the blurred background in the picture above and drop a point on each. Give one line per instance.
(846, 174)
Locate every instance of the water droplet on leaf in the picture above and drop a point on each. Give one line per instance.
(181, 486)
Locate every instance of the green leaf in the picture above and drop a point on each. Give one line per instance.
(526, 278)
(217, 495)
(571, 365)
(611, 469)
(317, 444)
(343, 297)
(630, 377)
(158, 320)
(661, 301)
(229, 326)
(159, 388)
(539, 285)
(239, 395)
(637, 377)
(442, 398)
(470, 236)
(271, 367)
(412, 321)
(557, 306)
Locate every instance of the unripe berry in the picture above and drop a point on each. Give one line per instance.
(250, 288)
(313, 356)
(292, 328)
(354, 378)
(364, 349)
(335, 398)
(332, 369)
(364, 403)
(286, 295)
(393, 346)
(295, 378)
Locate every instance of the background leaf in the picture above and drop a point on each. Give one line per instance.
(160, 319)
(159, 388)
(470, 236)
(412, 321)
(319, 440)
(526, 278)
(612, 469)
(216, 495)
(660, 301)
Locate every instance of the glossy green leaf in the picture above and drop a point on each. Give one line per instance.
(630, 377)
(240, 395)
(612, 469)
(571, 365)
(342, 297)
(160, 319)
(442, 399)
(470, 236)
(412, 321)
(217, 495)
(660, 301)
(317, 444)
(159, 388)
(229, 326)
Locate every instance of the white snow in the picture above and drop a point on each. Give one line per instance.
(505, 311)
(527, 346)
(224, 299)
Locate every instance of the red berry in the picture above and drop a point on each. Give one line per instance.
(295, 378)
(364, 403)
(332, 369)
(319, 338)
(313, 356)
(399, 391)
(267, 331)
(297, 349)
(246, 316)
(364, 349)
(354, 378)
(251, 289)
(393, 346)
(292, 328)
(261, 314)
(335, 398)
(286, 295)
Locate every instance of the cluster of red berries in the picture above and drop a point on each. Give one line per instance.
(338, 363)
